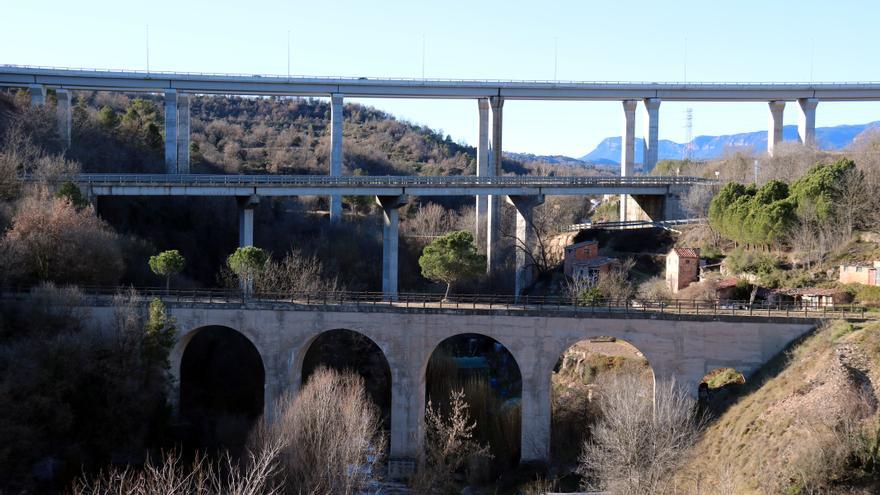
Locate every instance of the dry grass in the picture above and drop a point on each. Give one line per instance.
(804, 424)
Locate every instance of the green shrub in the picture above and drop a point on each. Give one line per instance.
(723, 377)
(869, 295)
(744, 261)
(710, 253)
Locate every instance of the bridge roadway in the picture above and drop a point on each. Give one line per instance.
(523, 192)
(680, 347)
(363, 87)
(308, 185)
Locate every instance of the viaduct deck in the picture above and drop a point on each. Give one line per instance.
(308, 185)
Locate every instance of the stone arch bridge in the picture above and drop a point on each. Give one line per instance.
(683, 347)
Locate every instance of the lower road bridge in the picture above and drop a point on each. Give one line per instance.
(680, 344)
(656, 198)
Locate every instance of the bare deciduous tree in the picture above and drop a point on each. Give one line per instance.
(295, 274)
(810, 238)
(331, 435)
(203, 477)
(615, 284)
(639, 440)
(449, 446)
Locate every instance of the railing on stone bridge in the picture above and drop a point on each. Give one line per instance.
(104, 296)
(208, 180)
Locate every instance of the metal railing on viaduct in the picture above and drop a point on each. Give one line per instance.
(525, 305)
(302, 185)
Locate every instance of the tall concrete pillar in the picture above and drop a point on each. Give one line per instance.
(335, 152)
(627, 148)
(536, 413)
(183, 133)
(652, 128)
(525, 240)
(246, 207)
(496, 104)
(407, 413)
(62, 110)
(170, 131)
(807, 121)
(774, 130)
(482, 170)
(38, 94)
(389, 205)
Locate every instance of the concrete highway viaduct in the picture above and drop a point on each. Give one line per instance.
(680, 347)
(490, 97)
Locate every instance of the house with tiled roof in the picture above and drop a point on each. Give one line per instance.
(582, 261)
(811, 297)
(682, 268)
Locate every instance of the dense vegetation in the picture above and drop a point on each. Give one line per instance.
(767, 215)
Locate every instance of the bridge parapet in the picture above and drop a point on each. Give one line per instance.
(478, 304)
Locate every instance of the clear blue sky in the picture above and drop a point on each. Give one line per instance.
(743, 40)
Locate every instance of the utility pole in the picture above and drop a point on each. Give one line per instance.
(555, 57)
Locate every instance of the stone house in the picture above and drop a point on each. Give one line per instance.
(867, 273)
(582, 261)
(682, 268)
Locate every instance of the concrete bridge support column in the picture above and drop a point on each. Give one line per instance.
(496, 104)
(536, 414)
(482, 170)
(183, 134)
(62, 110)
(627, 149)
(389, 205)
(807, 121)
(170, 131)
(774, 131)
(246, 207)
(525, 240)
(407, 417)
(38, 94)
(652, 128)
(336, 152)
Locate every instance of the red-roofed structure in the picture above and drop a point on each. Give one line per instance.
(682, 268)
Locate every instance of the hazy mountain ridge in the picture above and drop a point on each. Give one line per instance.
(709, 147)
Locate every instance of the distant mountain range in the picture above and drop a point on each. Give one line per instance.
(709, 147)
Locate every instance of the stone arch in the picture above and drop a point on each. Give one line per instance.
(490, 374)
(222, 381)
(345, 348)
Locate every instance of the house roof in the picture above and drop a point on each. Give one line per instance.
(869, 264)
(686, 252)
(597, 261)
(726, 283)
(582, 243)
(809, 291)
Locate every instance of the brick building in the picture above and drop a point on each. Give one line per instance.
(582, 261)
(682, 268)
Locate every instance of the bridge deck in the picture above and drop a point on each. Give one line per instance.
(306, 185)
(120, 80)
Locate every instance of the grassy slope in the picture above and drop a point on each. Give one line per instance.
(756, 445)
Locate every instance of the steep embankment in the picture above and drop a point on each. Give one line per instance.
(807, 423)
